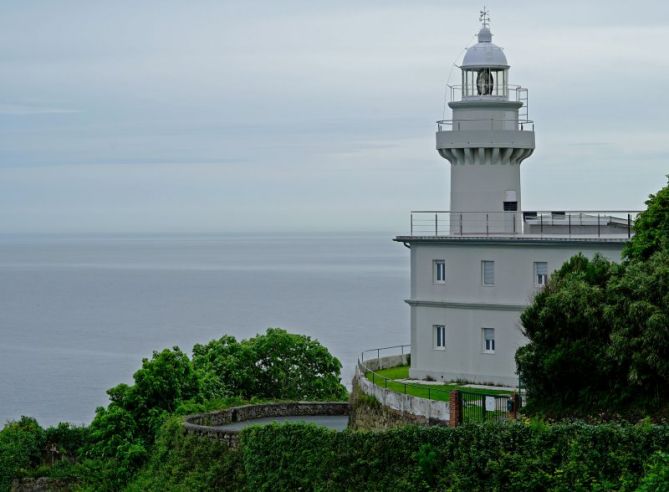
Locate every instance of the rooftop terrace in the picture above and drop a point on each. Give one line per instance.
(566, 225)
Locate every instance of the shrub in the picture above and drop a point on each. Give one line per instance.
(472, 457)
(21, 446)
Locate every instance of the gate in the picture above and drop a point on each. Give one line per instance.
(480, 407)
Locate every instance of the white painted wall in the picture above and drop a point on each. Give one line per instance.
(465, 306)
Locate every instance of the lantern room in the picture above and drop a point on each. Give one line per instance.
(485, 71)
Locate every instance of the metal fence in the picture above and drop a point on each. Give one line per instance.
(413, 389)
(477, 407)
(474, 406)
(614, 224)
(402, 349)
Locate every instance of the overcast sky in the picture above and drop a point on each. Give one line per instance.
(215, 116)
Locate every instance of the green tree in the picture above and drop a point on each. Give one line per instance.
(599, 332)
(638, 314)
(125, 430)
(21, 446)
(567, 359)
(651, 228)
(275, 365)
(225, 367)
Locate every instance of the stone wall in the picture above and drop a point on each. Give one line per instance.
(206, 424)
(394, 408)
(41, 484)
(387, 362)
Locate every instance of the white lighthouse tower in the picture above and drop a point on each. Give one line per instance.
(486, 141)
(476, 267)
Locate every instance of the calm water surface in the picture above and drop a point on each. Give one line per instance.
(78, 314)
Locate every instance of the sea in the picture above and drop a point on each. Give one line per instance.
(78, 313)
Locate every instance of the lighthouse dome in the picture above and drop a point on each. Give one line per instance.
(485, 54)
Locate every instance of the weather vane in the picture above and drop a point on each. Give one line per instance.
(485, 17)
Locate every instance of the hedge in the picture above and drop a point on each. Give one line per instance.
(472, 457)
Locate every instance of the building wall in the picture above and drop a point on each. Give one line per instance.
(482, 187)
(465, 306)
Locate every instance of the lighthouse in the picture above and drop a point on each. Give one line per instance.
(476, 267)
(486, 140)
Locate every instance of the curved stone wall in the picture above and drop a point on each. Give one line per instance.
(205, 424)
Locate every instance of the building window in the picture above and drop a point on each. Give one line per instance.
(488, 272)
(540, 273)
(439, 337)
(439, 271)
(489, 340)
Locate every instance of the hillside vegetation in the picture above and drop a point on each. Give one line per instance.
(121, 438)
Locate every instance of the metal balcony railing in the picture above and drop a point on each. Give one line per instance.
(486, 124)
(584, 224)
(512, 92)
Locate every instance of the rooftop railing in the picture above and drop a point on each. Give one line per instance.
(581, 224)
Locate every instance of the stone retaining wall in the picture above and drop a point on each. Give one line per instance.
(387, 362)
(412, 408)
(205, 424)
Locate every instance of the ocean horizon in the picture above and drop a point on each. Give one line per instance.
(79, 312)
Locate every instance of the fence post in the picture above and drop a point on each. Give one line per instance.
(454, 408)
(569, 224)
(412, 223)
(629, 226)
(429, 397)
(598, 226)
(486, 225)
(461, 224)
(541, 224)
(436, 225)
(515, 398)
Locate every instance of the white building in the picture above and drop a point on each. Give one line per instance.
(475, 267)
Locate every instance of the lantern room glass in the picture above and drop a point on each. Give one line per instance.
(481, 82)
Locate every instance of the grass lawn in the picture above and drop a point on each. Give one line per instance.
(385, 379)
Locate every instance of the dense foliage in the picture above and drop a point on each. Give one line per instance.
(121, 437)
(467, 458)
(276, 365)
(651, 228)
(599, 332)
(21, 445)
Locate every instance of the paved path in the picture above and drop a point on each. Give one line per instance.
(336, 422)
(441, 383)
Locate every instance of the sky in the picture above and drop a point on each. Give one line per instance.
(200, 116)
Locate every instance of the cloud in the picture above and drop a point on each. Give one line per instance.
(30, 110)
(311, 108)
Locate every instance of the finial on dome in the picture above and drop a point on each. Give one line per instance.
(485, 36)
(484, 17)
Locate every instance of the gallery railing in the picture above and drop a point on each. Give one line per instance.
(486, 124)
(610, 224)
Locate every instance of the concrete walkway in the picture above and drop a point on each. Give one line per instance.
(336, 422)
(440, 383)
